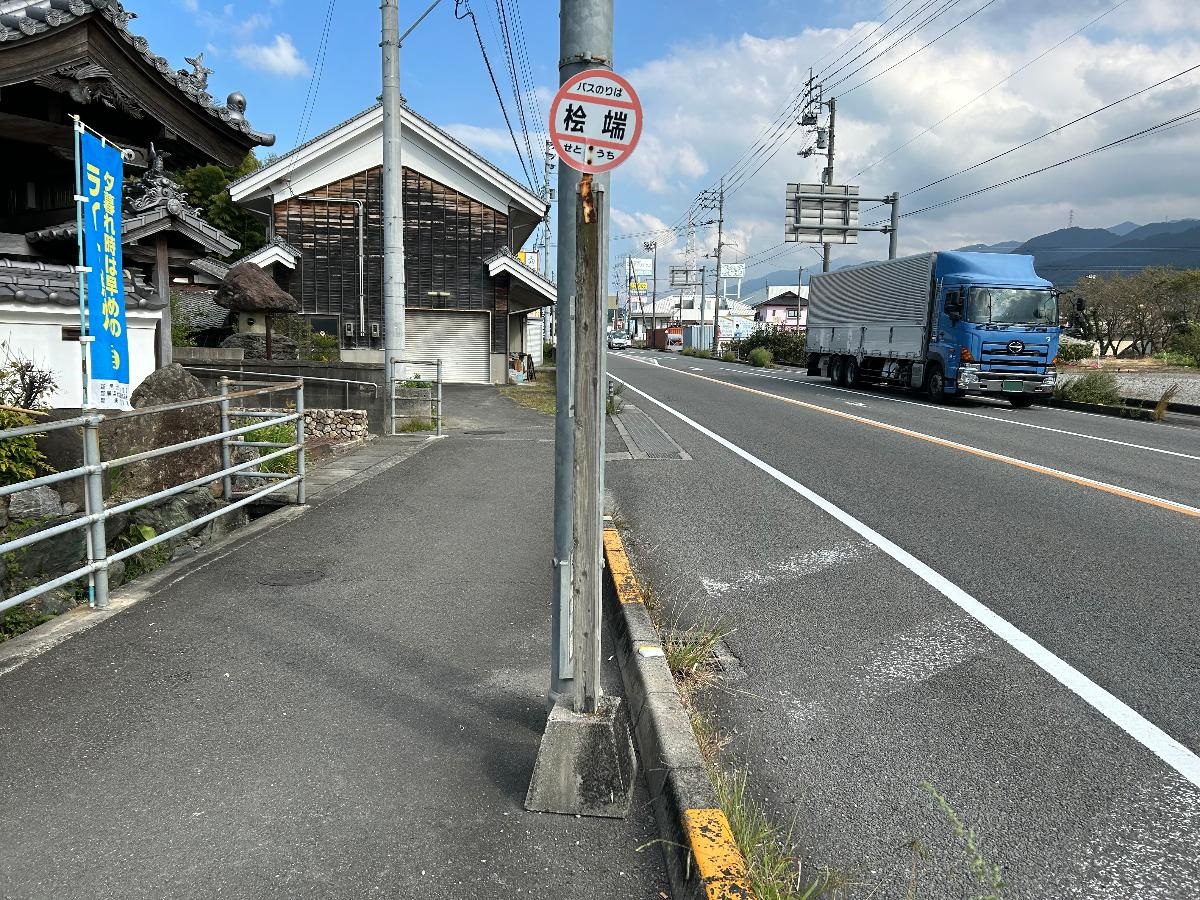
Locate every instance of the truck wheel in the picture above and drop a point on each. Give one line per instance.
(1021, 402)
(935, 383)
(837, 369)
(853, 375)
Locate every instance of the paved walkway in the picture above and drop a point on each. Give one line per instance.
(348, 706)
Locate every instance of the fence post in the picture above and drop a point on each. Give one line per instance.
(300, 440)
(94, 506)
(226, 454)
(439, 396)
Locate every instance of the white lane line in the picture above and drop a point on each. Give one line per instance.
(1137, 726)
(963, 412)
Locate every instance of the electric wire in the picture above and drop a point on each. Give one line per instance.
(314, 82)
(517, 84)
(980, 96)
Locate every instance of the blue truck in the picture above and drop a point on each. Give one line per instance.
(947, 323)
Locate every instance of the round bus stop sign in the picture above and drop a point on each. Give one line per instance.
(595, 121)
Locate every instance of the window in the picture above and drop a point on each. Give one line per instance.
(792, 313)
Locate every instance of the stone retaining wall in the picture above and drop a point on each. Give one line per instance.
(340, 424)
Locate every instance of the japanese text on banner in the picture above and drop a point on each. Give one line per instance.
(101, 163)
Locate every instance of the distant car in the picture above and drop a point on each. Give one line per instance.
(618, 340)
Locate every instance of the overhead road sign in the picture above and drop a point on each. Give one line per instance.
(828, 214)
(595, 121)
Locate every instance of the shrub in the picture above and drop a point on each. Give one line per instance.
(281, 433)
(1099, 387)
(1187, 345)
(761, 357)
(20, 459)
(547, 352)
(1073, 351)
(729, 356)
(23, 383)
(785, 346)
(698, 352)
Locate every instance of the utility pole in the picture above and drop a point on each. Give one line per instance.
(716, 200)
(829, 166)
(393, 197)
(652, 247)
(547, 198)
(585, 42)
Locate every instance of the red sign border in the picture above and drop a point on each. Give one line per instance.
(555, 133)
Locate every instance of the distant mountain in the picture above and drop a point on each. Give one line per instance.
(1178, 226)
(1002, 247)
(1124, 228)
(1174, 249)
(1069, 239)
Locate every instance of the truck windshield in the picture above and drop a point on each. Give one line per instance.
(1012, 306)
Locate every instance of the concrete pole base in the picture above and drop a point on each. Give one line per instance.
(586, 764)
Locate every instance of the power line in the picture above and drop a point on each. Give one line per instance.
(980, 96)
(314, 82)
(495, 85)
(1161, 126)
(506, 40)
(1047, 134)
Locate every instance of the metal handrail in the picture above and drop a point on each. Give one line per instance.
(372, 385)
(94, 467)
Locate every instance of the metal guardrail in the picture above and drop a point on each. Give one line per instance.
(241, 373)
(424, 402)
(95, 466)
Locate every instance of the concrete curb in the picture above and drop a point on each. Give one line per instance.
(702, 859)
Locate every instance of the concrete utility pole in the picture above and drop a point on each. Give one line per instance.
(547, 197)
(652, 247)
(720, 241)
(393, 196)
(585, 42)
(829, 165)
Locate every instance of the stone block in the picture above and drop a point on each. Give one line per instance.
(37, 503)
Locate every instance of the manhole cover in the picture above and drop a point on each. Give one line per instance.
(292, 579)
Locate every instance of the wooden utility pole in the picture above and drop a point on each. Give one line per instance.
(588, 449)
(162, 283)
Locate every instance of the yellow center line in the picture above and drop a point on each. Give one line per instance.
(965, 448)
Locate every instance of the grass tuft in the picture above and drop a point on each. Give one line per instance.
(1160, 408)
(984, 872)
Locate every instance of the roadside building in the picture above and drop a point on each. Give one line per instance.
(78, 58)
(782, 306)
(469, 299)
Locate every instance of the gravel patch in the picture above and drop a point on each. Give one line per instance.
(1150, 386)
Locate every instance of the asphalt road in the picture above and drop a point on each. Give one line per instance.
(1000, 604)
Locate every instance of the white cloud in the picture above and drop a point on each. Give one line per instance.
(706, 104)
(280, 57)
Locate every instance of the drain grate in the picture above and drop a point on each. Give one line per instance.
(643, 436)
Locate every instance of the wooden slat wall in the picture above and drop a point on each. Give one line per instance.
(447, 236)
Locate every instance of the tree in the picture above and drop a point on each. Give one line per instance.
(208, 188)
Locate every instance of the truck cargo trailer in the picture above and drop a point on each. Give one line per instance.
(946, 323)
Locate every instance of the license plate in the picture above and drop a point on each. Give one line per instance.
(1018, 386)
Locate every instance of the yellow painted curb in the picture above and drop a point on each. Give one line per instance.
(720, 864)
(618, 566)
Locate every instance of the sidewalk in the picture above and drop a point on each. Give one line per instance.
(348, 706)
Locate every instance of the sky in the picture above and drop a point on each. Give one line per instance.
(713, 75)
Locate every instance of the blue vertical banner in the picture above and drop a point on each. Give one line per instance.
(101, 170)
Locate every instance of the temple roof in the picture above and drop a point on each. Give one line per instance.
(40, 283)
(28, 21)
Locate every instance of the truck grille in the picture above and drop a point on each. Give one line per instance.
(998, 358)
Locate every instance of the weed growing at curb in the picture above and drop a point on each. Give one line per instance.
(987, 874)
(1160, 408)
(691, 652)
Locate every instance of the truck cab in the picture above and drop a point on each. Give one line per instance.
(994, 328)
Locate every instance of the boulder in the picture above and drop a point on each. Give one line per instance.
(35, 503)
(247, 288)
(124, 437)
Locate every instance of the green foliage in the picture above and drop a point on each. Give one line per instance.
(729, 356)
(415, 382)
(1073, 351)
(412, 426)
(698, 352)
(1099, 387)
(761, 357)
(785, 346)
(1141, 312)
(1186, 345)
(21, 618)
(278, 433)
(208, 188)
(20, 458)
(147, 560)
(23, 383)
(548, 350)
(313, 345)
(181, 323)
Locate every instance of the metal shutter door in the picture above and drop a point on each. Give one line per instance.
(459, 340)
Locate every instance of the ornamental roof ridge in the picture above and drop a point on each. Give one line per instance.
(21, 19)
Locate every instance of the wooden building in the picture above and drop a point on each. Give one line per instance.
(469, 301)
(60, 58)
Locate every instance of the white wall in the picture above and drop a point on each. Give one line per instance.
(35, 332)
